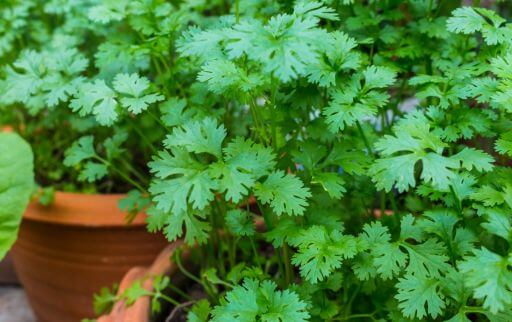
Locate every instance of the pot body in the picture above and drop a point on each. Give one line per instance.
(69, 251)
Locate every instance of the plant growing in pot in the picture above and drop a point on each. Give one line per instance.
(329, 138)
(298, 119)
(75, 238)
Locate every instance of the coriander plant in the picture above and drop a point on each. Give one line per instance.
(325, 160)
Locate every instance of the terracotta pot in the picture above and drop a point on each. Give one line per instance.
(68, 251)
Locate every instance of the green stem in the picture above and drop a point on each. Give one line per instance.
(365, 140)
(458, 204)
(255, 251)
(169, 299)
(266, 217)
(121, 173)
(143, 137)
(157, 119)
(474, 309)
(287, 265)
(135, 172)
(177, 259)
(237, 11)
(356, 316)
(178, 291)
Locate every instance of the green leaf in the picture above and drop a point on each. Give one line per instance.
(285, 46)
(473, 158)
(134, 202)
(137, 97)
(488, 275)
(244, 162)
(240, 223)
(198, 137)
(419, 296)
(321, 252)
(173, 225)
(16, 184)
(224, 77)
(134, 292)
(498, 223)
(93, 171)
(465, 20)
(504, 144)
(199, 312)
(285, 230)
(338, 56)
(413, 139)
(107, 11)
(427, 259)
(284, 192)
(378, 77)
(260, 301)
(489, 196)
(332, 183)
(105, 299)
(97, 99)
(81, 150)
(387, 257)
(468, 20)
(180, 181)
(354, 101)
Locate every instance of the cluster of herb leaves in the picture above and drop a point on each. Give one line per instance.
(333, 160)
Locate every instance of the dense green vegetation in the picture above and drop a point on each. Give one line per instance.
(333, 160)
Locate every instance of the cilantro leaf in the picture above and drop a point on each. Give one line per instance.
(136, 98)
(490, 278)
(358, 98)
(244, 162)
(321, 252)
(240, 223)
(98, 99)
(260, 301)
(181, 181)
(419, 296)
(173, 225)
(82, 149)
(198, 137)
(284, 192)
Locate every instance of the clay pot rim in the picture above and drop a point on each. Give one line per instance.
(82, 209)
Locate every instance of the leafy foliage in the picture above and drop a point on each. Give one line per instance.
(260, 301)
(322, 160)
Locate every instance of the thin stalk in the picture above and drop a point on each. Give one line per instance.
(178, 291)
(474, 309)
(157, 119)
(365, 140)
(177, 259)
(266, 218)
(216, 237)
(144, 137)
(458, 204)
(356, 316)
(237, 10)
(288, 269)
(169, 299)
(134, 171)
(120, 173)
(255, 251)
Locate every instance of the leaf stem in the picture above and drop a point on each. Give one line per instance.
(365, 140)
(121, 173)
